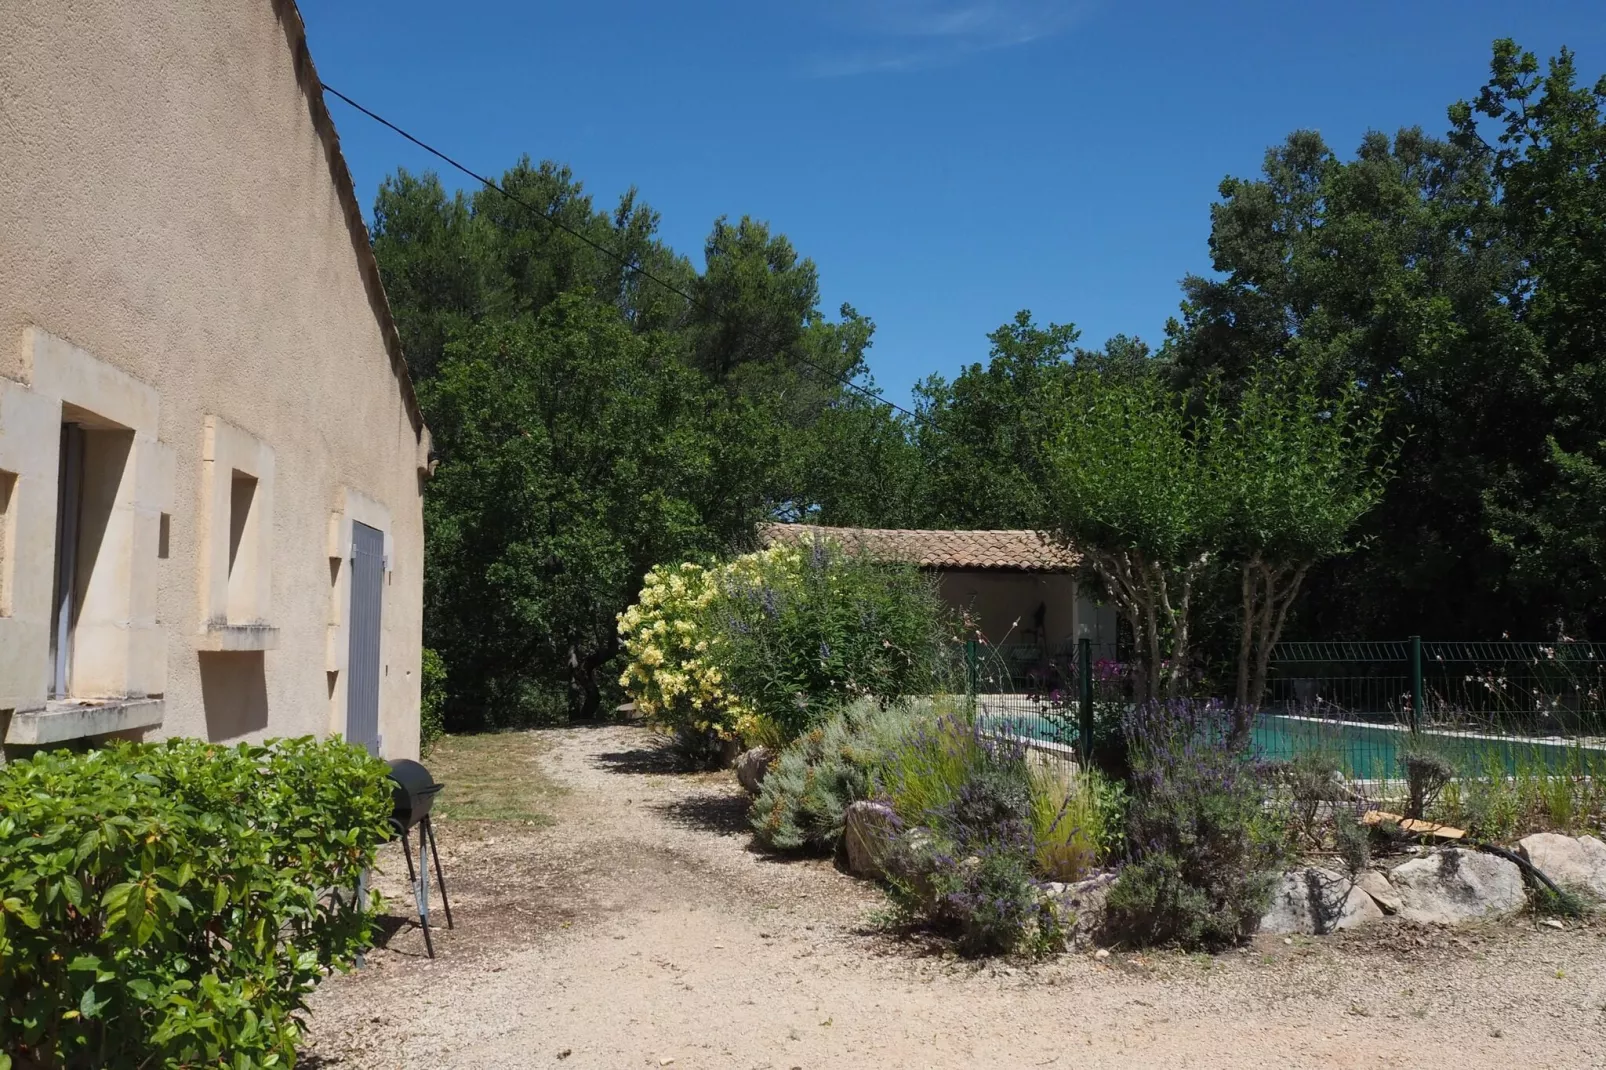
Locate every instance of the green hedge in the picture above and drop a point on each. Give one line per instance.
(168, 905)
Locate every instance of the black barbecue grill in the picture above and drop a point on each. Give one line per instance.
(412, 796)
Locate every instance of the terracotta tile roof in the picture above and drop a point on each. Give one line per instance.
(1026, 551)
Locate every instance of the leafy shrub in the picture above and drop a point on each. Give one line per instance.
(432, 700)
(765, 646)
(1154, 902)
(1078, 820)
(1426, 774)
(1109, 739)
(994, 802)
(161, 905)
(1311, 779)
(1205, 849)
(1352, 842)
(824, 771)
(997, 906)
(673, 673)
(809, 629)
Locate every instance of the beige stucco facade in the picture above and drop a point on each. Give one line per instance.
(186, 286)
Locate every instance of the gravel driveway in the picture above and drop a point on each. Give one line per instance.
(639, 929)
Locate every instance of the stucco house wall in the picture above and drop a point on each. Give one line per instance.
(184, 277)
(1004, 606)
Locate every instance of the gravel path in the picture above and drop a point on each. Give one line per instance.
(640, 930)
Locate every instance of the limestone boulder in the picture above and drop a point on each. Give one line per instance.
(1081, 903)
(1316, 901)
(1578, 863)
(752, 766)
(1453, 886)
(1376, 885)
(869, 836)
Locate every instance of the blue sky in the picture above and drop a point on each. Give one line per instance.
(944, 162)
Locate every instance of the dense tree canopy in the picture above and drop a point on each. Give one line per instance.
(1464, 273)
(592, 421)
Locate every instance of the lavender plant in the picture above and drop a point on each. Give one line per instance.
(1205, 851)
(976, 876)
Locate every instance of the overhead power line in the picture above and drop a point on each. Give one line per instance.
(622, 261)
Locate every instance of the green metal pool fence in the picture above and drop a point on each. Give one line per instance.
(1039, 694)
(1488, 708)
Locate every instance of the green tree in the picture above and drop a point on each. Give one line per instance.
(593, 420)
(453, 260)
(1462, 273)
(983, 437)
(1293, 473)
(1163, 492)
(1547, 163)
(575, 454)
(1130, 487)
(858, 466)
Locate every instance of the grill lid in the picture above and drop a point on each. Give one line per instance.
(413, 793)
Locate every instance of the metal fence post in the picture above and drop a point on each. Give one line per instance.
(1084, 665)
(1417, 698)
(971, 673)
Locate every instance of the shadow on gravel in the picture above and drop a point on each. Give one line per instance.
(725, 815)
(640, 760)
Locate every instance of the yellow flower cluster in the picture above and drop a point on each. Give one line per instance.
(673, 674)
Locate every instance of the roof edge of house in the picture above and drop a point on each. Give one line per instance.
(295, 31)
(1044, 553)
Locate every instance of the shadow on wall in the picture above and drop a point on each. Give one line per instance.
(234, 692)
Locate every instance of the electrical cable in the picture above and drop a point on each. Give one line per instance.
(624, 262)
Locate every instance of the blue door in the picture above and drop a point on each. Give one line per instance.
(362, 663)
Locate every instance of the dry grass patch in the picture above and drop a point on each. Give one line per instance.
(493, 776)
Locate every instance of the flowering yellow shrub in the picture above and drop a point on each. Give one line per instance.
(674, 647)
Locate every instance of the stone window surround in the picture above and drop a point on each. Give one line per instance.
(236, 609)
(119, 671)
(354, 506)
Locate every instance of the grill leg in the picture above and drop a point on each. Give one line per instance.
(407, 853)
(423, 894)
(440, 878)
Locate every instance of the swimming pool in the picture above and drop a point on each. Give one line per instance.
(1362, 750)
(1373, 751)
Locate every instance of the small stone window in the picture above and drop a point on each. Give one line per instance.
(236, 540)
(8, 540)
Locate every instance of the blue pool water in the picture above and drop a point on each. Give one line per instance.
(1363, 751)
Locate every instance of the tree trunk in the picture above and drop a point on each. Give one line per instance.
(1274, 629)
(1245, 642)
(1268, 594)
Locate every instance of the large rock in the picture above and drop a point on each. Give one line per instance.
(1382, 892)
(1579, 863)
(752, 766)
(1080, 904)
(1454, 885)
(869, 833)
(1315, 901)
